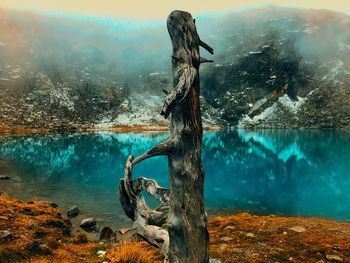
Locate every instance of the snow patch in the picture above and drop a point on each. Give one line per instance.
(269, 113)
(335, 71)
(137, 109)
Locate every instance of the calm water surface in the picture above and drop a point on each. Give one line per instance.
(281, 172)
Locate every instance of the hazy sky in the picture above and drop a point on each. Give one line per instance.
(158, 9)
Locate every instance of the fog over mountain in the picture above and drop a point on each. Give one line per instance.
(273, 67)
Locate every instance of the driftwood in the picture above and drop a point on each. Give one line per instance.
(179, 225)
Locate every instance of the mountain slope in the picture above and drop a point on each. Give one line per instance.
(274, 68)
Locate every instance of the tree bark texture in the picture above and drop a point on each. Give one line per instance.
(179, 225)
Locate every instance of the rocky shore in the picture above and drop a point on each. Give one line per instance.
(37, 231)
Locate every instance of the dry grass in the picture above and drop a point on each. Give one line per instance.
(248, 238)
(139, 252)
(39, 233)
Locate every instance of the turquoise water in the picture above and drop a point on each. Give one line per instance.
(265, 172)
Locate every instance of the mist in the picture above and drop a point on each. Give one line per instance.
(257, 51)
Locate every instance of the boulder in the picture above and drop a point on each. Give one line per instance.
(73, 211)
(107, 235)
(88, 224)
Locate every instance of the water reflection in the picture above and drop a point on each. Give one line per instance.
(286, 172)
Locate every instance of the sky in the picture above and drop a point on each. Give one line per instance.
(158, 9)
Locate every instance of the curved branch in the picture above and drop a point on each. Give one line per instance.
(153, 188)
(147, 222)
(187, 76)
(162, 149)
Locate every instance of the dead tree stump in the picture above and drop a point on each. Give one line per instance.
(179, 225)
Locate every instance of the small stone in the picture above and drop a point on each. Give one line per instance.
(250, 235)
(101, 253)
(334, 257)
(285, 233)
(73, 211)
(88, 223)
(298, 229)
(4, 234)
(222, 248)
(52, 204)
(123, 230)
(226, 239)
(214, 260)
(4, 177)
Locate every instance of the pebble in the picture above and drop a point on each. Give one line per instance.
(334, 257)
(225, 239)
(214, 260)
(250, 235)
(298, 229)
(4, 177)
(123, 230)
(73, 211)
(101, 253)
(4, 234)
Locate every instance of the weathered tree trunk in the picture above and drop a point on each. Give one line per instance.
(181, 213)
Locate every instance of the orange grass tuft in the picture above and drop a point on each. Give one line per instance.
(138, 252)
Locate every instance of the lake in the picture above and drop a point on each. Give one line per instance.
(304, 173)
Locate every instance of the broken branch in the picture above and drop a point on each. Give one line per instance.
(206, 47)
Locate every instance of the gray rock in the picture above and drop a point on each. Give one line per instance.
(88, 224)
(214, 260)
(4, 177)
(73, 211)
(107, 235)
(4, 234)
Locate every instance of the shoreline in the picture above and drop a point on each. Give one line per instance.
(22, 130)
